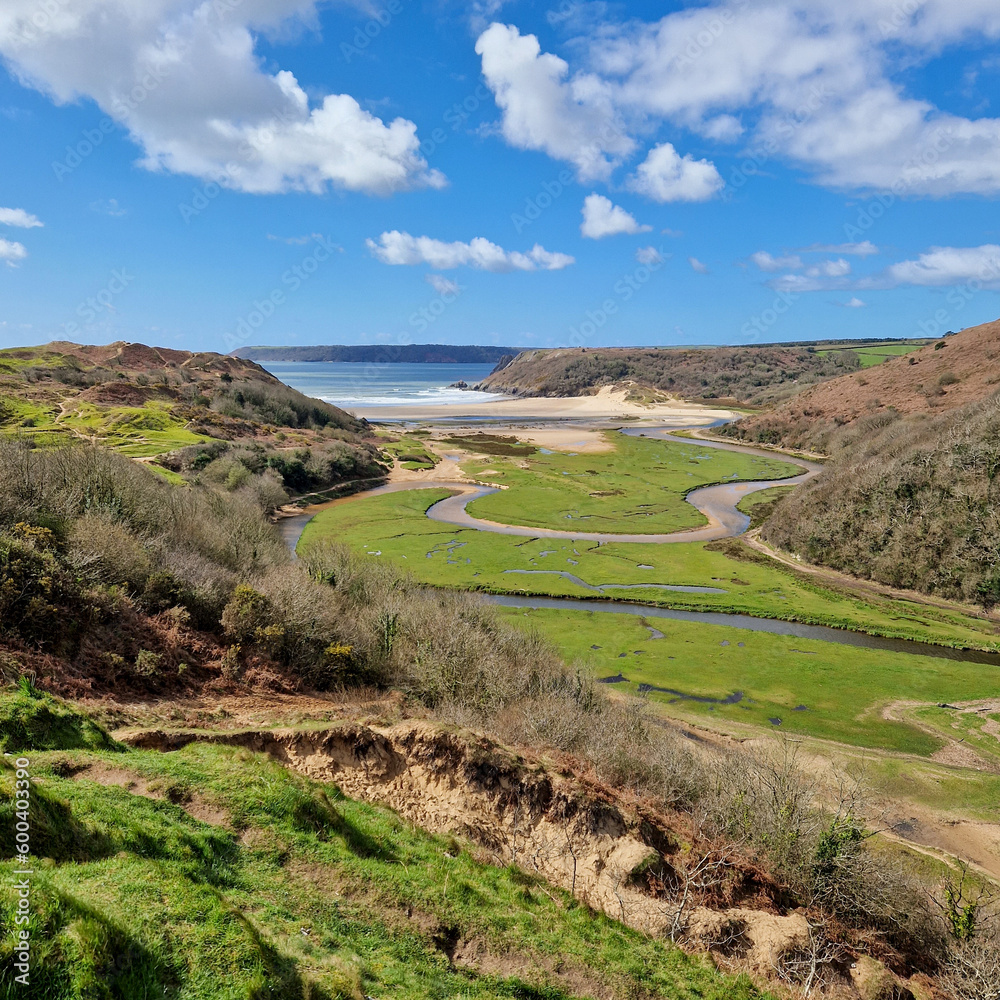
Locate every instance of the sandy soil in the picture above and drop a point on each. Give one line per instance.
(607, 404)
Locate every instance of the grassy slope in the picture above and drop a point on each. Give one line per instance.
(44, 396)
(301, 893)
(645, 481)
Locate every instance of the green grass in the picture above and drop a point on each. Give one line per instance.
(303, 893)
(32, 720)
(395, 525)
(843, 688)
(760, 506)
(639, 487)
(877, 355)
(970, 794)
(980, 731)
(410, 453)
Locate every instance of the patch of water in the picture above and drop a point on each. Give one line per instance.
(773, 626)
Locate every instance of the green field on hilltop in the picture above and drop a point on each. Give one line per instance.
(637, 488)
(394, 527)
(814, 688)
(285, 888)
(876, 354)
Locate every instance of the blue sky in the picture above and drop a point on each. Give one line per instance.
(212, 173)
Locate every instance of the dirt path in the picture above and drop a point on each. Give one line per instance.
(863, 588)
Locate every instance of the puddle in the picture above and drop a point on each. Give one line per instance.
(600, 588)
(733, 699)
(775, 722)
(617, 679)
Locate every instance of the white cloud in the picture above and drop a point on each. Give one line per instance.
(603, 218)
(855, 303)
(766, 262)
(667, 176)
(109, 207)
(185, 79)
(572, 119)
(19, 217)
(942, 267)
(864, 249)
(697, 265)
(401, 248)
(723, 128)
(939, 267)
(11, 252)
(830, 269)
(649, 256)
(817, 81)
(295, 241)
(443, 285)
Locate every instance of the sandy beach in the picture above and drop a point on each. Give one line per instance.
(607, 404)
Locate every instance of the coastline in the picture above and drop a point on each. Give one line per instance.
(607, 404)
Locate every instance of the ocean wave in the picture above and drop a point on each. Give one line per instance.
(413, 397)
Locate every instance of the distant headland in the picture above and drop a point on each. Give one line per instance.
(381, 353)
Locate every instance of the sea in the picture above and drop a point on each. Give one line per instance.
(355, 385)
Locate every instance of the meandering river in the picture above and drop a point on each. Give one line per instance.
(717, 503)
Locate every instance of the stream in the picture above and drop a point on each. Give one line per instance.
(717, 503)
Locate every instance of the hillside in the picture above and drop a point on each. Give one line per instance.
(752, 375)
(186, 413)
(947, 374)
(910, 496)
(380, 354)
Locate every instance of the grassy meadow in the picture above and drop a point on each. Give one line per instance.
(814, 688)
(790, 684)
(637, 487)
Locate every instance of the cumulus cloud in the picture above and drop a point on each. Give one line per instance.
(766, 262)
(185, 79)
(649, 256)
(667, 176)
(864, 249)
(830, 269)
(947, 266)
(817, 81)
(11, 252)
(697, 265)
(443, 285)
(571, 119)
(854, 303)
(19, 217)
(938, 267)
(401, 248)
(603, 218)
